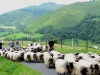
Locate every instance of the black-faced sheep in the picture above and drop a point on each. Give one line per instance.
(61, 67)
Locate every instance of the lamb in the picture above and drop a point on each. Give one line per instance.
(61, 67)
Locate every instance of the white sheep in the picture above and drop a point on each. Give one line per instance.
(55, 52)
(60, 66)
(2, 53)
(44, 48)
(82, 67)
(15, 56)
(48, 60)
(70, 57)
(39, 56)
(39, 47)
(29, 56)
(10, 55)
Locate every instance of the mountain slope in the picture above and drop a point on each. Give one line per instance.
(67, 16)
(22, 17)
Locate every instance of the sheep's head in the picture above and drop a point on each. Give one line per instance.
(34, 56)
(84, 70)
(29, 57)
(70, 67)
(50, 60)
(41, 57)
(92, 56)
(61, 56)
(51, 54)
(97, 69)
(76, 54)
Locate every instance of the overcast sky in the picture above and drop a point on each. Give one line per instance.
(9, 5)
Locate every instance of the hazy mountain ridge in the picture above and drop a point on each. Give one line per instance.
(22, 17)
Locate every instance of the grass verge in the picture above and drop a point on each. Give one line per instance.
(8, 67)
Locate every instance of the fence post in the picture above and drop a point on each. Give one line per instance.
(22, 40)
(72, 43)
(87, 43)
(61, 43)
(46, 41)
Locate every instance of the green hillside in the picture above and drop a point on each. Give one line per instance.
(67, 16)
(22, 17)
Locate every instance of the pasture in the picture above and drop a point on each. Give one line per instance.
(66, 48)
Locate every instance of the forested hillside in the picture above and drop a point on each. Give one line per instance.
(66, 16)
(79, 21)
(88, 27)
(22, 17)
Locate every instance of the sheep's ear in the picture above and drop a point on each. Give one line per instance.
(76, 60)
(96, 66)
(81, 68)
(51, 54)
(92, 56)
(92, 66)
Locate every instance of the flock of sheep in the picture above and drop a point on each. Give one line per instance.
(65, 64)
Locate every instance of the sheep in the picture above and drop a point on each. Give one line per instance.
(39, 47)
(48, 60)
(29, 56)
(2, 53)
(69, 57)
(44, 48)
(15, 56)
(83, 67)
(57, 56)
(10, 55)
(61, 67)
(34, 48)
(6, 53)
(39, 56)
(21, 55)
(55, 52)
(26, 57)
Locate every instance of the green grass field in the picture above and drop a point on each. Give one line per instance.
(8, 67)
(67, 48)
(19, 35)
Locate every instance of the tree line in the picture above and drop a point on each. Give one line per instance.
(88, 27)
